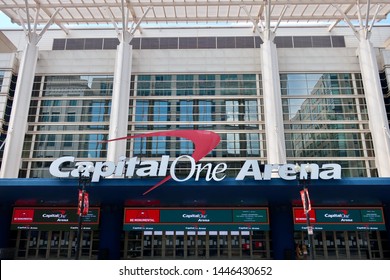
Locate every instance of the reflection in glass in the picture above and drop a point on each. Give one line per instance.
(325, 117)
(69, 116)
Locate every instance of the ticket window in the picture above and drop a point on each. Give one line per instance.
(169, 244)
(201, 242)
(260, 245)
(246, 249)
(235, 246)
(345, 244)
(133, 244)
(191, 245)
(147, 244)
(224, 248)
(157, 250)
(219, 244)
(213, 244)
(36, 244)
(179, 244)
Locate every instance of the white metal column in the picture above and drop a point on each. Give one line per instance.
(378, 123)
(17, 128)
(20, 107)
(273, 115)
(120, 99)
(119, 114)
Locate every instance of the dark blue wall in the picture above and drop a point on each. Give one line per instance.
(282, 232)
(5, 224)
(386, 213)
(111, 224)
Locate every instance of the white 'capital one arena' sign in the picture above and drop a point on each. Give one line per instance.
(204, 142)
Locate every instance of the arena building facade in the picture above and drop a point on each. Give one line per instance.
(194, 116)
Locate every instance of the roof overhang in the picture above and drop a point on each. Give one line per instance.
(6, 46)
(221, 12)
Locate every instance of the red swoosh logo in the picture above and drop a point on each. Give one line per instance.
(204, 142)
(203, 212)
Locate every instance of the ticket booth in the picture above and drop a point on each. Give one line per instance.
(205, 233)
(51, 233)
(343, 233)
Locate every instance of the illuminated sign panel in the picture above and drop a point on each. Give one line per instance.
(142, 216)
(59, 218)
(332, 218)
(250, 216)
(196, 219)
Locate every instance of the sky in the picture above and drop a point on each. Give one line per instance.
(5, 22)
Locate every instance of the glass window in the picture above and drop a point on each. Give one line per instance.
(59, 44)
(81, 103)
(229, 84)
(71, 117)
(150, 43)
(139, 146)
(55, 117)
(302, 42)
(226, 42)
(186, 111)
(186, 147)
(338, 41)
(207, 43)
(233, 143)
(206, 110)
(1, 78)
(207, 84)
(136, 43)
(185, 85)
(325, 117)
(141, 111)
(169, 43)
(321, 42)
(93, 43)
(51, 140)
(245, 42)
(253, 144)
(68, 140)
(110, 43)
(161, 113)
(284, 41)
(159, 146)
(188, 43)
(75, 44)
(200, 101)
(162, 85)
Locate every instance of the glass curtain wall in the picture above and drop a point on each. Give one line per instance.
(326, 121)
(69, 116)
(7, 90)
(325, 118)
(228, 104)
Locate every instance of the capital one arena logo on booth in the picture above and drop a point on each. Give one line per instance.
(204, 142)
